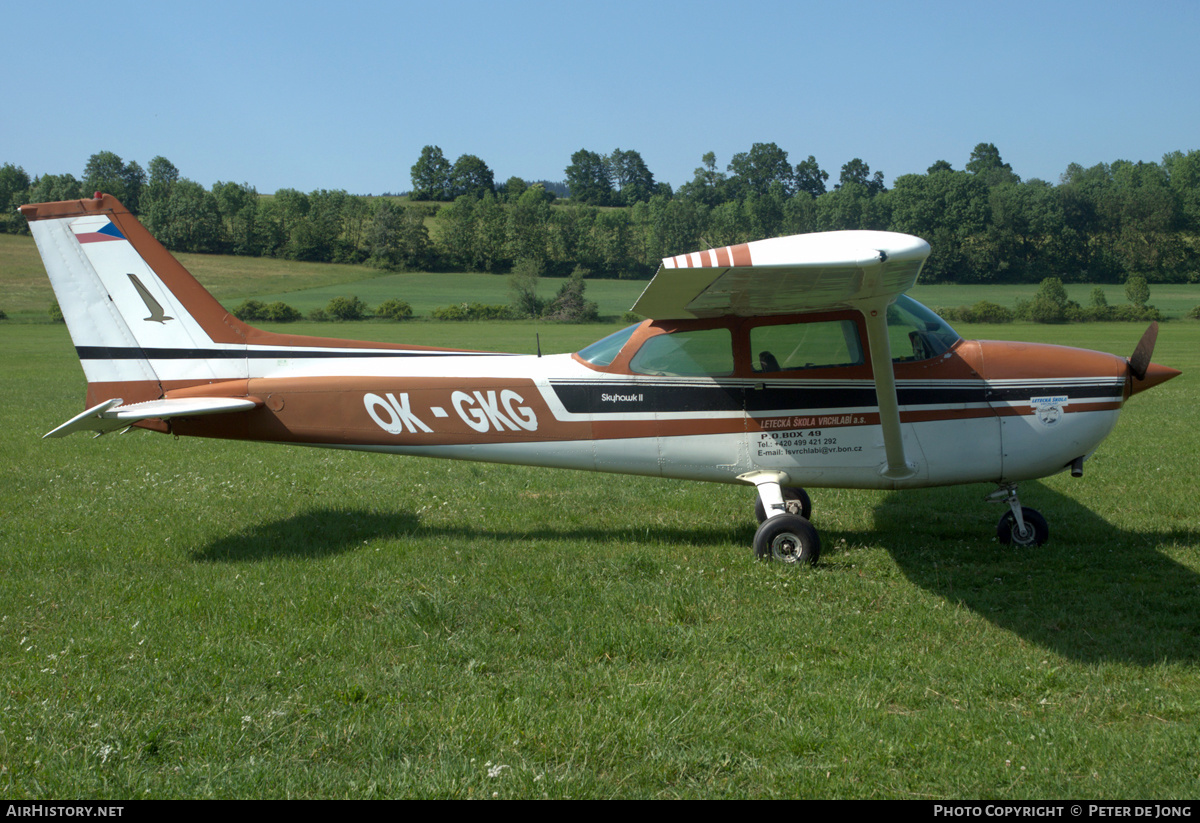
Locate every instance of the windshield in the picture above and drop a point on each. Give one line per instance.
(602, 352)
(916, 333)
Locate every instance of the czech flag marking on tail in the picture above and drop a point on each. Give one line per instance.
(96, 229)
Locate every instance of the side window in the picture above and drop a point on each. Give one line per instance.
(813, 345)
(686, 353)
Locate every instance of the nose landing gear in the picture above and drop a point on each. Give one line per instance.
(1020, 526)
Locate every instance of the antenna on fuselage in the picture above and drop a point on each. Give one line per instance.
(538, 338)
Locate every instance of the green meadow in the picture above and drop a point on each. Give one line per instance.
(193, 618)
(189, 618)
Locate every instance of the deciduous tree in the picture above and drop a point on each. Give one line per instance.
(986, 163)
(14, 185)
(431, 175)
(810, 177)
(707, 184)
(398, 237)
(589, 179)
(633, 180)
(106, 172)
(757, 170)
(471, 175)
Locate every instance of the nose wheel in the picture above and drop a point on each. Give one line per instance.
(1020, 526)
(1035, 532)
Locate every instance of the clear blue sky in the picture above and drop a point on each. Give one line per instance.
(343, 96)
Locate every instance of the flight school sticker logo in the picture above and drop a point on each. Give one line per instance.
(1049, 410)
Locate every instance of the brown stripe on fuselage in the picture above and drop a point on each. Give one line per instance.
(338, 410)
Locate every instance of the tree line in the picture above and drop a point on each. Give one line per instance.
(986, 225)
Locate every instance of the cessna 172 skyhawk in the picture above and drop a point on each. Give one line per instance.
(782, 363)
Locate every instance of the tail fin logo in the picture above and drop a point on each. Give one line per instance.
(157, 315)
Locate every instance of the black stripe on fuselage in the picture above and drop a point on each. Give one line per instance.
(621, 398)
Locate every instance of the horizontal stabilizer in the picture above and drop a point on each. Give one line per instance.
(111, 415)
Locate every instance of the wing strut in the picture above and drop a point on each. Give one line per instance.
(875, 314)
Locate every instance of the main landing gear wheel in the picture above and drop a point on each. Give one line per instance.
(787, 538)
(1037, 531)
(795, 499)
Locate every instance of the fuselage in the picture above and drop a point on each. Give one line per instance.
(980, 411)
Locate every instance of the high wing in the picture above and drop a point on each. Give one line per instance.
(864, 270)
(785, 275)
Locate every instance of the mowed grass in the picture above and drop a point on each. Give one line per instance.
(189, 618)
(426, 291)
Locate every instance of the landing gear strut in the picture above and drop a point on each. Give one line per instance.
(1020, 526)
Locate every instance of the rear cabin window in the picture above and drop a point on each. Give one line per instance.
(815, 345)
(686, 354)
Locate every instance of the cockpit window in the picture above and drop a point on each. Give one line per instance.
(916, 333)
(604, 351)
(686, 353)
(813, 345)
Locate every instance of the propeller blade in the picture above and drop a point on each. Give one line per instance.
(1139, 361)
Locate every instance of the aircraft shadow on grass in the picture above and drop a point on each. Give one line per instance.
(1094, 593)
(327, 532)
(313, 534)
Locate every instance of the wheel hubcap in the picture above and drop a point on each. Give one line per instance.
(1023, 538)
(786, 547)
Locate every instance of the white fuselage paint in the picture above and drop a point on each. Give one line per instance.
(830, 448)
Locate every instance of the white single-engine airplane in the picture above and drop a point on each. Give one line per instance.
(782, 363)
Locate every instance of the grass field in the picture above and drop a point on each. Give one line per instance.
(427, 291)
(188, 618)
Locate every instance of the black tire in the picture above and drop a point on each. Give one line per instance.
(1039, 530)
(796, 500)
(787, 538)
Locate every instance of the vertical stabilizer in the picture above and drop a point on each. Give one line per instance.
(137, 318)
